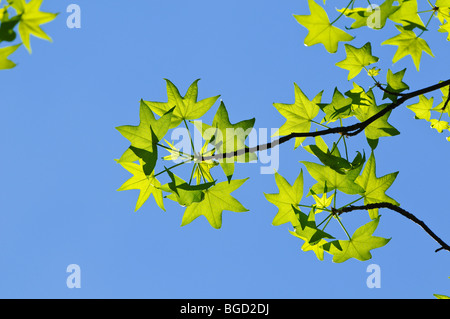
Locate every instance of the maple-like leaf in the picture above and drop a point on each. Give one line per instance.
(186, 108)
(422, 109)
(408, 44)
(372, 17)
(227, 137)
(374, 187)
(149, 131)
(146, 184)
(395, 84)
(288, 196)
(359, 246)
(439, 125)
(307, 230)
(216, 200)
(329, 179)
(407, 15)
(445, 28)
(182, 192)
(379, 127)
(298, 115)
(5, 63)
(320, 30)
(31, 18)
(357, 59)
(339, 108)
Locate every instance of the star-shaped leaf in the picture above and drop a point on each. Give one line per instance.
(328, 179)
(374, 187)
(374, 18)
(5, 63)
(395, 84)
(339, 108)
(407, 15)
(357, 59)
(31, 18)
(422, 109)
(149, 131)
(307, 230)
(298, 115)
(184, 193)
(227, 137)
(439, 125)
(320, 30)
(408, 44)
(186, 108)
(216, 200)
(146, 184)
(359, 246)
(287, 197)
(379, 127)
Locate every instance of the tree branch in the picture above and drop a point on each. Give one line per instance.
(402, 212)
(350, 130)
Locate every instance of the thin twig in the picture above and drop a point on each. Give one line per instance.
(350, 130)
(401, 211)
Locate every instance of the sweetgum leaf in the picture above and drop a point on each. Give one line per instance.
(359, 246)
(374, 187)
(216, 200)
(31, 18)
(298, 115)
(408, 44)
(146, 184)
(227, 138)
(287, 197)
(320, 30)
(186, 108)
(357, 59)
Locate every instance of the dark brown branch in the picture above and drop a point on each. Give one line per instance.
(402, 212)
(350, 130)
(446, 101)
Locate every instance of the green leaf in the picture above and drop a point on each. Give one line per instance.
(320, 30)
(357, 59)
(287, 197)
(328, 179)
(439, 125)
(407, 14)
(31, 18)
(339, 108)
(5, 63)
(441, 296)
(378, 16)
(146, 184)
(359, 246)
(186, 108)
(7, 26)
(216, 200)
(422, 109)
(408, 44)
(374, 187)
(149, 131)
(183, 193)
(379, 127)
(227, 137)
(445, 28)
(395, 84)
(307, 230)
(333, 159)
(298, 115)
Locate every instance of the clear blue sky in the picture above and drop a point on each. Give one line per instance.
(58, 198)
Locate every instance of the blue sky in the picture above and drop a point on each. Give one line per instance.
(58, 198)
